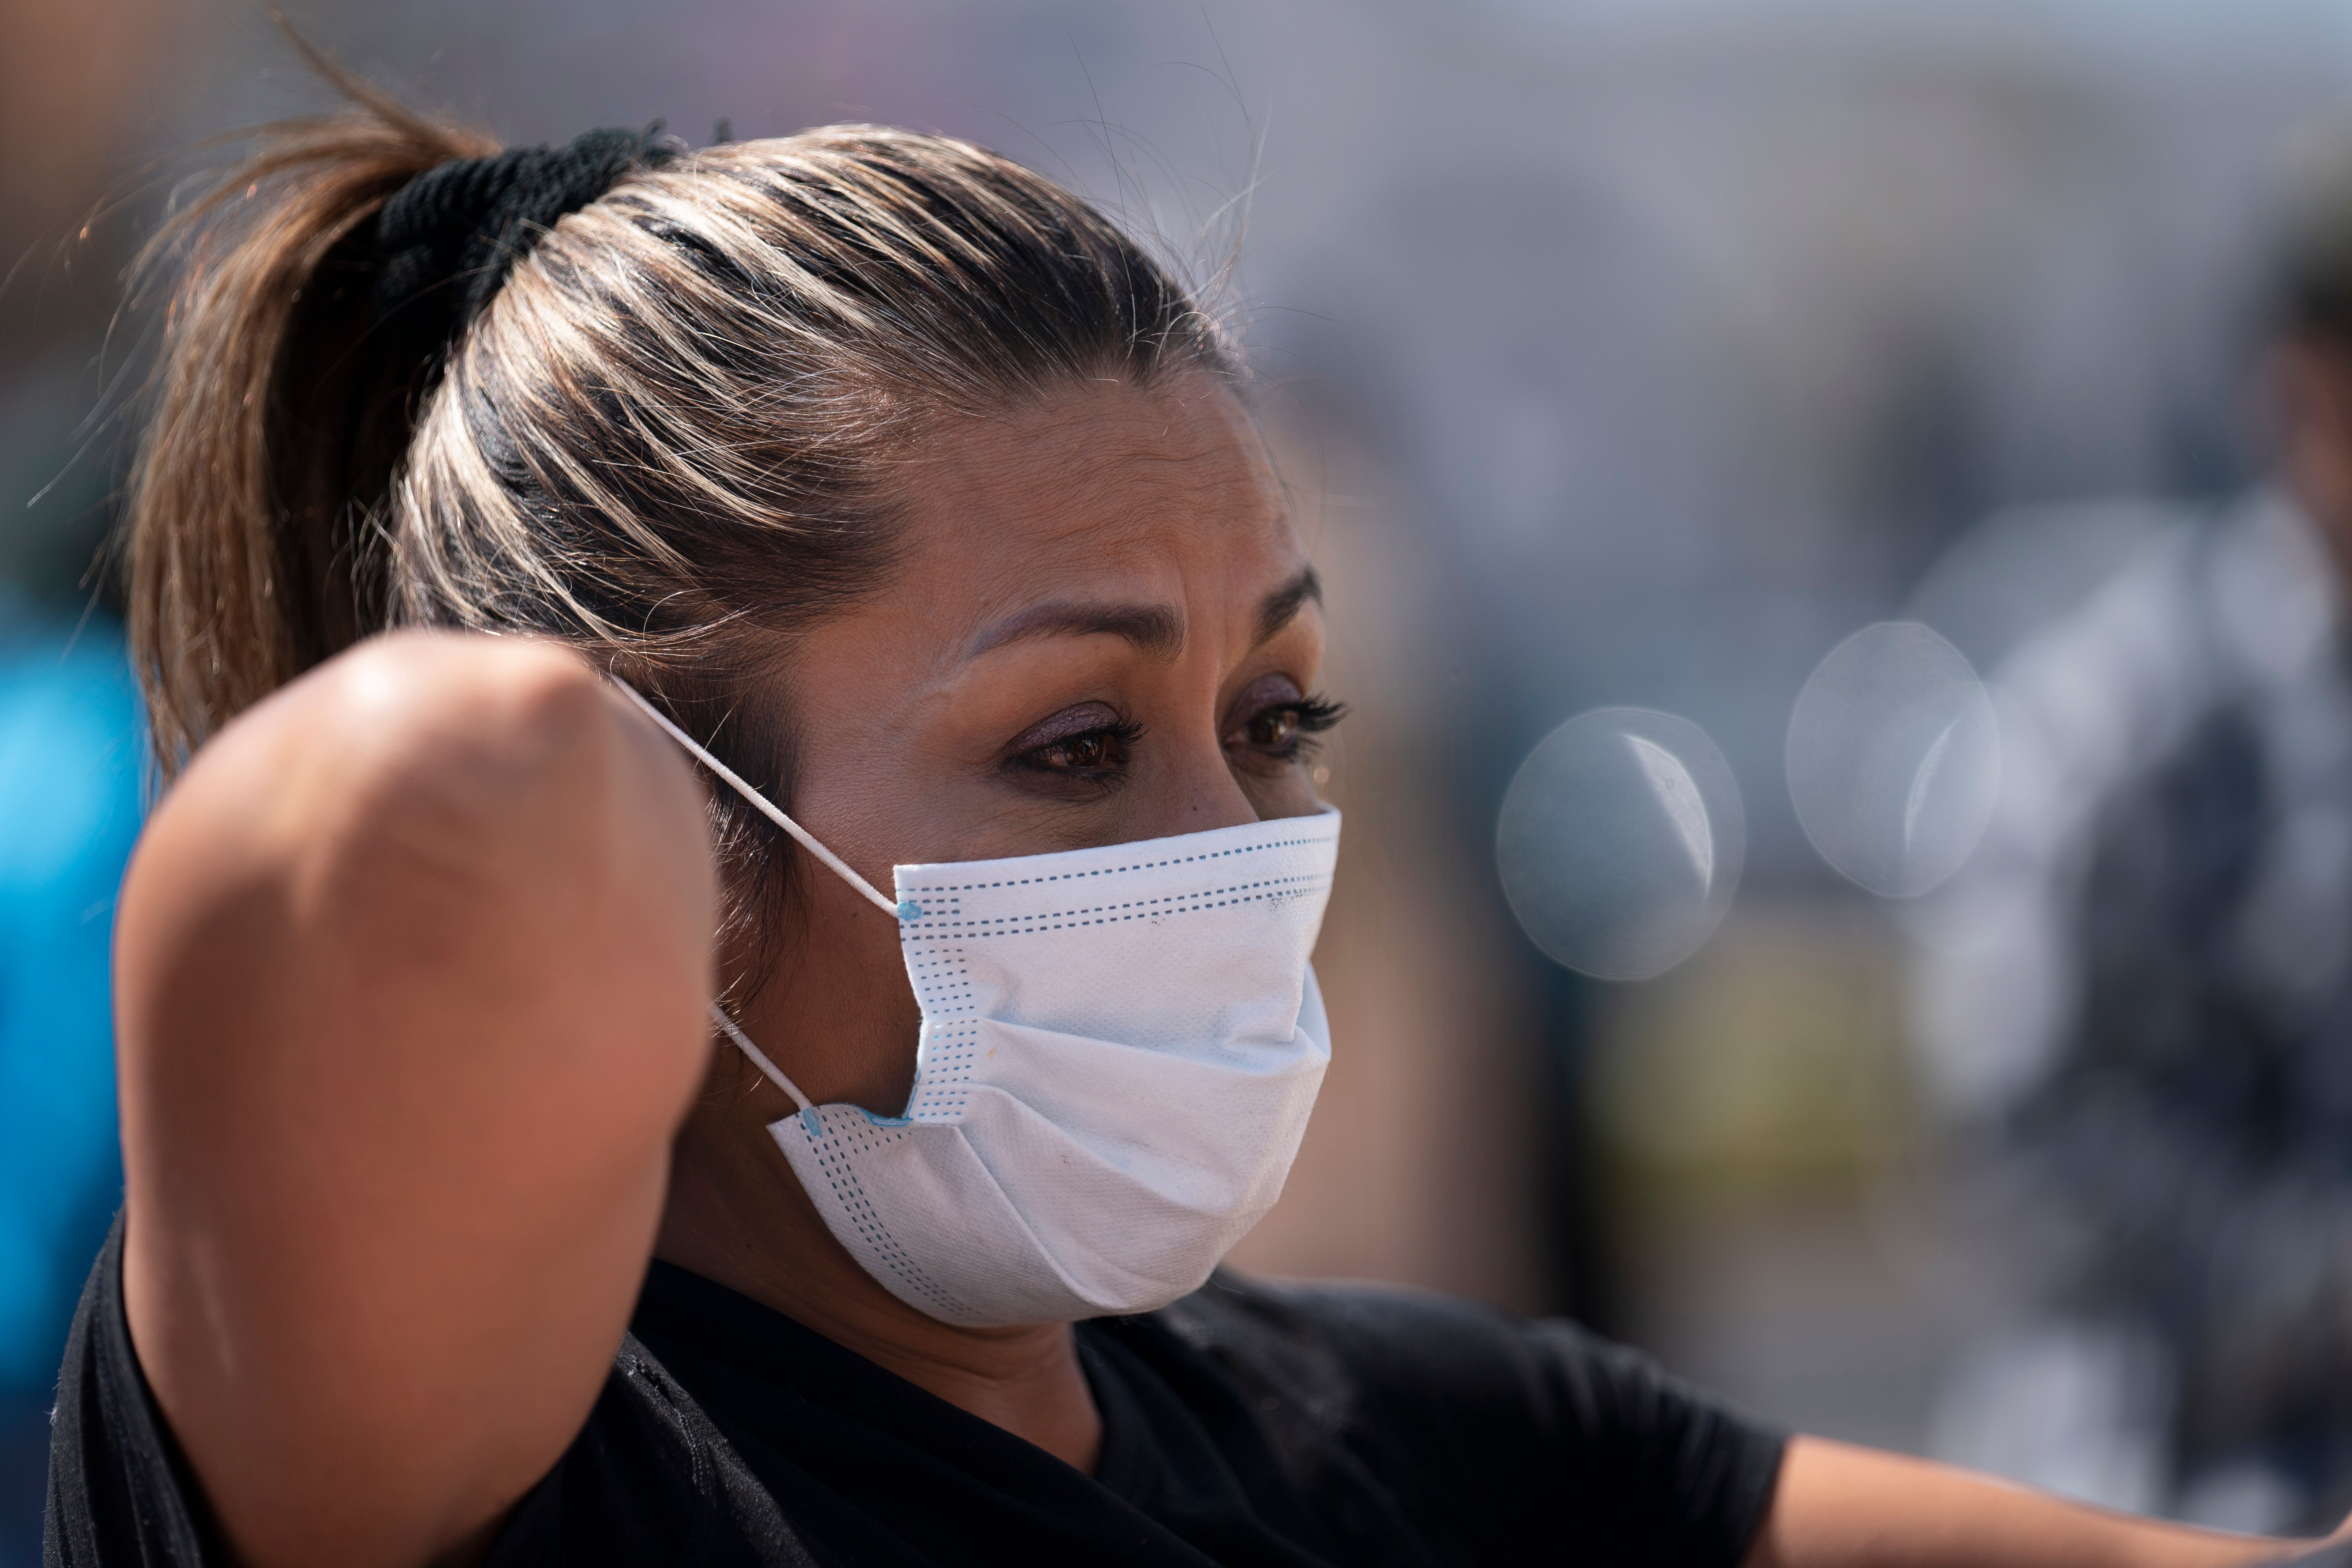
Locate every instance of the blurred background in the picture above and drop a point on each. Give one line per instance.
(1947, 1043)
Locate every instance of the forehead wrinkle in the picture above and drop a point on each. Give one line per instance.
(1113, 475)
(1099, 492)
(1091, 463)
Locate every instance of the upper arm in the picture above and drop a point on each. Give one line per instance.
(411, 971)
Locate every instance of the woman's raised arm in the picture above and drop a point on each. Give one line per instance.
(411, 973)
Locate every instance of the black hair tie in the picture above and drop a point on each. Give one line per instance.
(448, 239)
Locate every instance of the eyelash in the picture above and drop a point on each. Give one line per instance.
(1312, 716)
(1118, 738)
(1126, 732)
(1317, 714)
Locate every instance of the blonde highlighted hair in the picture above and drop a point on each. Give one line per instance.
(667, 438)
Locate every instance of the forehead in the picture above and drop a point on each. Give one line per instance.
(1099, 489)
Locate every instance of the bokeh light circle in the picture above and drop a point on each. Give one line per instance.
(1620, 842)
(1894, 758)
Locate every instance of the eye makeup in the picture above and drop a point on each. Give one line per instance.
(1087, 749)
(1084, 750)
(1276, 725)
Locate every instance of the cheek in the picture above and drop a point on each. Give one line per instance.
(889, 1076)
(1286, 794)
(879, 1021)
(837, 1013)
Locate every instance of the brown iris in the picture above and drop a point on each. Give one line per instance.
(1273, 729)
(1093, 751)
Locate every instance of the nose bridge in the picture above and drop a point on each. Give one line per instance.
(1196, 788)
(1203, 793)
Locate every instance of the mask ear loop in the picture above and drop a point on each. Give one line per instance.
(759, 1057)
(774, 813)
(807, 840)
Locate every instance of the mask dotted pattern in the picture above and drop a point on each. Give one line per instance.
(1120, 1049)
(1109, 1093)
(842, 1137)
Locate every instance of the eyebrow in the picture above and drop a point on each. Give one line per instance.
(1154, 629)
(1157, 630)
(1282, 605)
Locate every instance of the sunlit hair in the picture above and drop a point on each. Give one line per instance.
(669, 439)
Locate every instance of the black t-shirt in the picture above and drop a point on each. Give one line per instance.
(1247, 1425)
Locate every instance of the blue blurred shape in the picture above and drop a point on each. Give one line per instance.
(70, 740)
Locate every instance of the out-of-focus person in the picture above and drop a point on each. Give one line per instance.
(90, 85)
(2138, 994)
(69, 810)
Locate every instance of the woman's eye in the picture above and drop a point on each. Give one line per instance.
(1275, 730)
(1079, 752)
(1285, 732)
(1096, 756)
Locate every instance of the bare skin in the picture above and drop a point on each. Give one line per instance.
(1838, 1506)
(412, 962)
(912, 711)
(2310, 393)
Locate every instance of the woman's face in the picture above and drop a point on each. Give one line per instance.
(1101, 628)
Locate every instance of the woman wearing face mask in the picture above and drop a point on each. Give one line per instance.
(880, 570)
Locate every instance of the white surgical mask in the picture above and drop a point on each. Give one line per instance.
(1120, 1049)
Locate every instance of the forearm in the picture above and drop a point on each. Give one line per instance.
(1837, 1506)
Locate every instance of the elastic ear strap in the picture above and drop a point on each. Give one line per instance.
(775, 813)
(759, 1057)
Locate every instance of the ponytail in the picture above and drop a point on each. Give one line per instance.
(651, 403)
(254, 546)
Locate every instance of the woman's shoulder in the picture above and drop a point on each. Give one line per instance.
(650, 1479)
(1397, 1343)
(1531, 1426)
